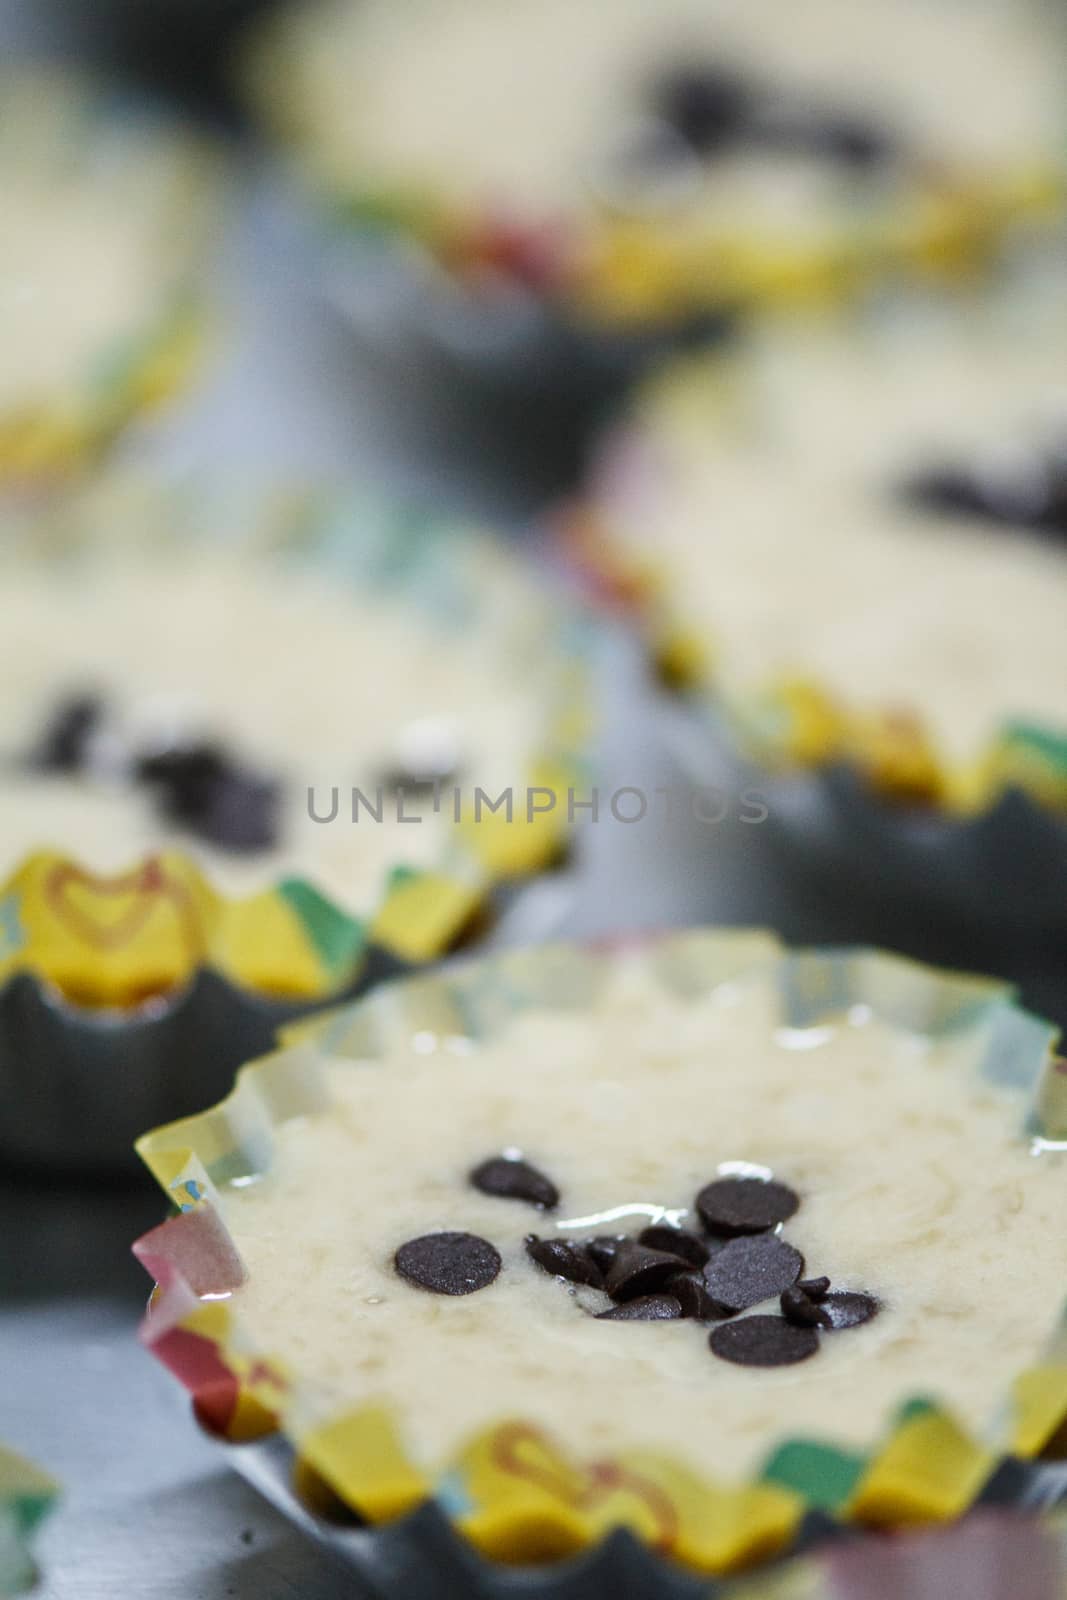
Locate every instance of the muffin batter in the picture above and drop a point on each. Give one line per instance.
(543, 111)
(787, 512)
(100, 212)
(295, 680)
(911, 1174)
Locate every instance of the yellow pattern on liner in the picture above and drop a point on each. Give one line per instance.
(122, 939)
(928, 1471)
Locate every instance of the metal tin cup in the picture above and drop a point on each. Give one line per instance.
(79, 1085)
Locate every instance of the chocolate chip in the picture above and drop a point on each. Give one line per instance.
(734, 1206)
(636, 1270)
(513, 1179)
(564, 1260)
(448, 1263)
(814, 1288)
(63, 744)
(949, 491)
(186, 772)
(852, 140)
(691, 1294)
(198, 787)
(1029, 493)
(825, 132)
(243, 814)
(746, 1271)
(604, 1248)
(676, 1241)
(798, 1308)
(848, 1308)
(418, 786)
(647, 1308)
(708, 106)
(763, 1342)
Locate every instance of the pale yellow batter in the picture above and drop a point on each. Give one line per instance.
(915, 1181)
(305, 679)
(771, 502)
(520, 105)
(102, 215)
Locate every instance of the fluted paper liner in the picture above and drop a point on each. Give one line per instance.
(48, 441)
(994, 1555)
(510, 1491)
(26, 1496)
(796, 721)
(121, 939)
(114, 940)
(618, 271)
(51, 435)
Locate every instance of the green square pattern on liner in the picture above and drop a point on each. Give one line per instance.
(1052, 747)
(336, 937)
(823, 1476)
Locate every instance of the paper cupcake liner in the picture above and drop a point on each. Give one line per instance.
(423, 1554)
(53, 441)
(136, 369)
(796, 722)
(631, 272)
(510, 1492)
(990, 1556)
(26, 1496)
(162, 984)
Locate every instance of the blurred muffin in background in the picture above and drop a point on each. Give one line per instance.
(243, 735)
(221, 675)
(643, 163)
(107, 216)
(857, 541)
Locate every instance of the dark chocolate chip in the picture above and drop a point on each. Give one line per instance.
(63, 744)
(418, 786)
(187, 772)
(647, 1308)
(734, 1206)
(746, 1271)
(853, 140)
(512, 1179)
(848, 138)
(798, 1308)
(707, 106)
(814, 1288)
(848, 1308)
(636, 1270)
(1033, 497)
(676, 1241)
(604, 1248)
(691, 1294)
(243, 814)
(199, 788)
(763, 1342)
(448, 1263)
(950, 491)
(564, 1260)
